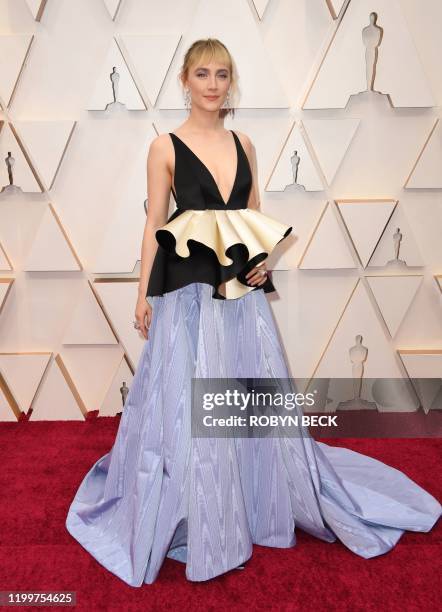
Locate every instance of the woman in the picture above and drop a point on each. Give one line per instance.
(204, 501)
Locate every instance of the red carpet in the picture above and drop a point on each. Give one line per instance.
(42, 464)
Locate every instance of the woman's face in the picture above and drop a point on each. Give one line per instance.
(209, 84)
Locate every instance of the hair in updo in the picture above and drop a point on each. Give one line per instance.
(206, 50)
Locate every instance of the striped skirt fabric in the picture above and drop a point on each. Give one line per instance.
(205, 501)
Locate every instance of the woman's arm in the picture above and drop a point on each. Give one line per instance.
(158, 196)
(257, 275)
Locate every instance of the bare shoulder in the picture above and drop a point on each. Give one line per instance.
(160, 145)
(161, 151)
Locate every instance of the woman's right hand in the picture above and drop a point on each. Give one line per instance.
(143, 315)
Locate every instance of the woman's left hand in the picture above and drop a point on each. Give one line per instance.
(257, 275)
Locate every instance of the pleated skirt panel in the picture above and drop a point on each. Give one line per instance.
(205, 501)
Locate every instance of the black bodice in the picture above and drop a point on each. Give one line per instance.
(197, 190)
(196, 186)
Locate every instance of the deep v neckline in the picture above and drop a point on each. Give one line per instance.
(210, 174)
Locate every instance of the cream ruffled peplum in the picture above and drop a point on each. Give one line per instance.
(220, 230)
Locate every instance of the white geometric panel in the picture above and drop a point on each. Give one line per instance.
(113, 403)
(327, 249)
(126, 94)
(294, 166)
(56, 399)
(113, 6)
(51, 250)
(118, 299)
(427, 171)
(233, 23)
(5, 262)
(335, 7)
(386, 252)
(330, 139)
(394, 295)
(151, 56)
(22, 373)
(22, 174)
(345, 71)
(260, 6)
(9, 407)
(88, 324)
(7, 414)
(359, 334)
(422, 363)
(116, 254)
(359, 319)
(92, 370)
(45, 143)
(301, 314)
(382, 151)
(36, 7)
(425, 369)
(282, 257)
(365, 221)
(5, 287)
(13, 53)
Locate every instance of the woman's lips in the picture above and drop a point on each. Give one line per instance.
(212, 97)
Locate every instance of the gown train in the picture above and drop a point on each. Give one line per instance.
(205, 501)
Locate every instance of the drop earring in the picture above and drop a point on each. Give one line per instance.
(187, 99)
(226, 103)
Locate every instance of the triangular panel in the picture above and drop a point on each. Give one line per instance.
(113, 402)
(58, 398)
(365, 221)
(14, 50)
(36, 7)
(115, 70)
(394, 295)
(22, 373)
(350, 64)
(327, 248)
(424, 366)
(427, 173)
(118, 298)
(51, 250)
(5, 262)
(23, 175)
(151, 56)
(359, 326)
(113, 6)
(294, 166)
(46, 143)
(88, 324)
(397, 249)
(260, 7)
(233, 23)
(330, 139)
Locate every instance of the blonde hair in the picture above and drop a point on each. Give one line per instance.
(206, 50)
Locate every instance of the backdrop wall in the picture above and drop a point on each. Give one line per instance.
(344, 113)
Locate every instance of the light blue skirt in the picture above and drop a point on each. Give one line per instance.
(205, 501)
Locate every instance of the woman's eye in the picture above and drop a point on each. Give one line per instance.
(201, 74)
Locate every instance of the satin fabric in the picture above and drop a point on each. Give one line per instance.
(205, 502)
(240, 239)
(247, 237)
